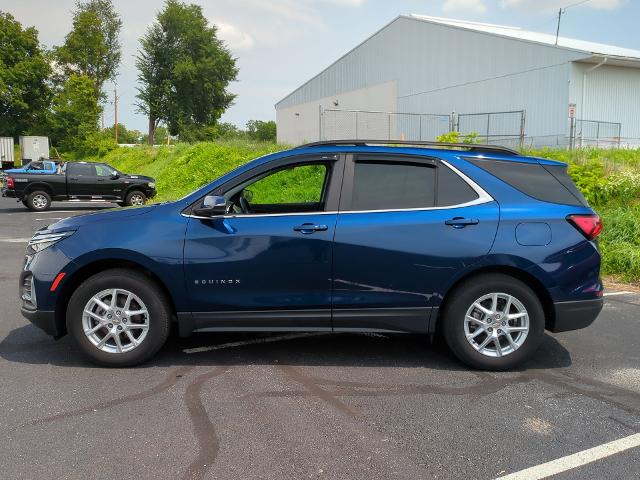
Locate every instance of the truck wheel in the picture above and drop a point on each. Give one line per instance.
(119, 318)
(493, 322)
(38, 201)
(135, 198)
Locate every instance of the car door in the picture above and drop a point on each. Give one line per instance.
(81, 180)
(406, 225)
(108, 184)
(267, 264)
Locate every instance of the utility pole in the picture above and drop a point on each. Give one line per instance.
(115, 113)
(560, 12)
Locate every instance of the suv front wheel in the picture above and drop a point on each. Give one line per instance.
(118, 318)
(493, 322)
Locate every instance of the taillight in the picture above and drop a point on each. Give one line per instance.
(589, 225)
(10, 183)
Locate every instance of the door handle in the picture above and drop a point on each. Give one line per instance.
(308, 228)
(460, 222)
(101, 179)
(73, 179)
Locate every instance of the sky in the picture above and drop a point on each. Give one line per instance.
(280, 44)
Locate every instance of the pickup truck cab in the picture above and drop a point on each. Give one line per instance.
(485, 245)
(41, 167)
(78, 181)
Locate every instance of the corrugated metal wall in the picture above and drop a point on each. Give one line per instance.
(440, 69)
(612, 94)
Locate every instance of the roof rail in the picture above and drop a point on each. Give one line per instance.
(468, 146)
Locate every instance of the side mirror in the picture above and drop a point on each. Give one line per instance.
(212, 206)
(115, 176)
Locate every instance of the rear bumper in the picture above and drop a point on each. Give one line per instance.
(45, 321)
(575, 315)
(8, 193)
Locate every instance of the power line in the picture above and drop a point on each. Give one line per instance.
(575, 4)
(562, 11)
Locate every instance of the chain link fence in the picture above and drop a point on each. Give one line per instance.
(362, 124)
(494, 127)
(506, 128)
(594, 133)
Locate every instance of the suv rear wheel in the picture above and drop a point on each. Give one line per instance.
(493, 322)
(38, 201)
(118, 318)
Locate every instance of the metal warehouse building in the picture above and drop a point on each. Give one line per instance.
(421, 76)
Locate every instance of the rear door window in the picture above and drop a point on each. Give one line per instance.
(535, 180)
(81, 169)
(380, 185)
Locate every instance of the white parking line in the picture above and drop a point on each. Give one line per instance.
(14, 240)
(253, 342)
(50, 218)
(576, 460)
(611, 294)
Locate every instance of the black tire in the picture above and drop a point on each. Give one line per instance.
(133, 198)
(464, 296)
(38, 201)
(141, 286)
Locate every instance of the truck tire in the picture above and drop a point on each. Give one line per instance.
(38, 201)
(135, 198)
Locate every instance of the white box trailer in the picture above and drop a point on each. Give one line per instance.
(7, 152)
(34, 148)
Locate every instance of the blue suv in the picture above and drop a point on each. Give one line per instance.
(488, 247)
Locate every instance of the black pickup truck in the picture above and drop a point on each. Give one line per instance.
(79, 181)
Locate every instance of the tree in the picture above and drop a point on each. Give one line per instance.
(184, 72)
(124, 135)
(75, 114)
(261, 130)
(92, 48)
(24, 68)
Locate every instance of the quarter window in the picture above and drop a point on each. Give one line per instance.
(453, 190)
(393, 185)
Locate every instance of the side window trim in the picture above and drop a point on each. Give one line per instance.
(349, 174)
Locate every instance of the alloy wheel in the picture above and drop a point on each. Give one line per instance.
(39, 201)
(115, 320)
(496, 324)
(137, 200)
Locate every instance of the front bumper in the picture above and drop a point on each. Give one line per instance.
(575, 315)
(46, 321)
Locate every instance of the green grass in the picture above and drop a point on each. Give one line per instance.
(183, 168)
(610, 179)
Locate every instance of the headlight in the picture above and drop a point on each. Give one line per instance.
(40, 241)
(151, 185)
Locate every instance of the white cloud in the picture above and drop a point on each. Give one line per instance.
(548, 5)
(346, 3)
(464, 6)
(234, 37)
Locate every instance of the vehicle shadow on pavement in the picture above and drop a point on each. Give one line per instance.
(27, 344)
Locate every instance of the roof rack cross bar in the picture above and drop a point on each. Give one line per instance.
(468, 146)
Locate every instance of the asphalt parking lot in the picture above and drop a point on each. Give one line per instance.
(299, 406)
